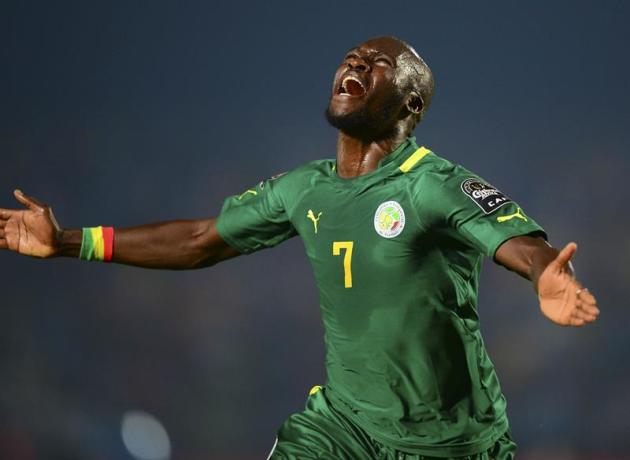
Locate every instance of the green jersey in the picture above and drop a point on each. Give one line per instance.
(396, 255)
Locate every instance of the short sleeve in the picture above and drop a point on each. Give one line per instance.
(481, 214)
(256, 218)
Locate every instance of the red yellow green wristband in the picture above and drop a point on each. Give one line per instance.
(97, 243)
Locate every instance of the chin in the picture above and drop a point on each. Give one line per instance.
(349, 121)
(361, 123)
(365, 117)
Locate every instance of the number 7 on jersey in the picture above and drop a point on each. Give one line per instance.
(347, 259)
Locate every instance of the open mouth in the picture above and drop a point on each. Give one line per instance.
(352, 86)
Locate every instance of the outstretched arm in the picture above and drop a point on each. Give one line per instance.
(176, 245)
(562, 297)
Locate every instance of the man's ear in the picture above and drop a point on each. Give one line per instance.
(414, 103)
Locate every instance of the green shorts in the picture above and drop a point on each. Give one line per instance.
(322, 433)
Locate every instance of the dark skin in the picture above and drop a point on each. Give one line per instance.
(374, 64)
(378, 66)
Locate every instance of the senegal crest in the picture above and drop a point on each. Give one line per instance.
(389, 219)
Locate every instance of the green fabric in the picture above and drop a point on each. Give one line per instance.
(87, 246)
(320, 432)
(405, 360)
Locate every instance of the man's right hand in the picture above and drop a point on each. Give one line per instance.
(174, 245)
(33, 231)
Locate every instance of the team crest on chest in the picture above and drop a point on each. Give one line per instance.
(389, 219)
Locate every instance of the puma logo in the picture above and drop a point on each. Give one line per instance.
(311, 216)
(518, 213)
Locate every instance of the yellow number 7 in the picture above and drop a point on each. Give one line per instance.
(347, 259)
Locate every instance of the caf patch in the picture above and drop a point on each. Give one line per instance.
(487, 197)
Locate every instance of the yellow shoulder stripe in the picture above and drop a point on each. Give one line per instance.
(314, 390)
(413, 159)
(253, 192)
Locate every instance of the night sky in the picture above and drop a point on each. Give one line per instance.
(122, 113)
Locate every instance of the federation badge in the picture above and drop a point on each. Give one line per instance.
(389, 219)
(486, 196)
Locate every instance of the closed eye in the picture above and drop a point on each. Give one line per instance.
(383, 60)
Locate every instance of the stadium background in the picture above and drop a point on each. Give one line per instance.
(123, 113)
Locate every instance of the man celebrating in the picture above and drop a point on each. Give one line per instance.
(395, 235)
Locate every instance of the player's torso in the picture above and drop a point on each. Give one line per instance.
(376, 262)
(398, 298)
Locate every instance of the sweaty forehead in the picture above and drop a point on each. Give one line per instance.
(386, 45)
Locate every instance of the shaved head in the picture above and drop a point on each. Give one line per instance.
(413, 74)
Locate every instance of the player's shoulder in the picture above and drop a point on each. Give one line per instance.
(438, 171)
(321, 166)
(440, 182)
(300, 176)
(307, 170)
(446, 183)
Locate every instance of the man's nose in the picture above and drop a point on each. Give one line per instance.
(359, 65)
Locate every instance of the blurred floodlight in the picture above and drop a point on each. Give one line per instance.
(144, 436)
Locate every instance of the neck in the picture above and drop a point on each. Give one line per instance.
(356, 157)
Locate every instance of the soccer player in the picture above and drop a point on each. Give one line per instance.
(395, 235)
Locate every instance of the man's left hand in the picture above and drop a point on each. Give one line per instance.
(562, 298)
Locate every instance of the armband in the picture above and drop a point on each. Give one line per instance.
(97, 243)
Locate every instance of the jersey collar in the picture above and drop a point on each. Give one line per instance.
(400, 160)
(400, 153)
